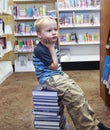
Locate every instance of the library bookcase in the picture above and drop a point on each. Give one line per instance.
(105, 26)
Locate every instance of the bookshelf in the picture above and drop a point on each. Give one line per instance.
(25, 14)
(104, 49)
(5, 46)
(4, 8)
(79, 30)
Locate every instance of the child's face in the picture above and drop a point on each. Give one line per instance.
(48, 32)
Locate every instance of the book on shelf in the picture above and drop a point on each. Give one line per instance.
(23, 60)
(106, 72)
(106, 69)
(108, 38)
(3, 42)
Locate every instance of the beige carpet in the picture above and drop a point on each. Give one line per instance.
(16, 99)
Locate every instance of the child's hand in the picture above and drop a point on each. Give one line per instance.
(50, 46)
(49, 43)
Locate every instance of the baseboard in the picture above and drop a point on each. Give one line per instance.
(92, 65)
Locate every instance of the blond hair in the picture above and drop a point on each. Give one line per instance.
(41, 20)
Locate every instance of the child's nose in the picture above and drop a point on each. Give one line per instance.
(53, 32)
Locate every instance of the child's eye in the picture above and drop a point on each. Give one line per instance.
(49, 30)
(55, 29)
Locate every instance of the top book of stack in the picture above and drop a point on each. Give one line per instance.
(38, 91)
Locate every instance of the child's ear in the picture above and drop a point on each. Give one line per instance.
(38, 35)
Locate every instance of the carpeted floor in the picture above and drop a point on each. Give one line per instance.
(16, 99)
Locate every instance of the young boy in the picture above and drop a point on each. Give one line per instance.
(50, 75)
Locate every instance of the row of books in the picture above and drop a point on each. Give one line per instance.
(78, 3)
(48, 111)
(33, 11)
(79, 37)
(24, 28)
(75, 18)
(24, 45)
(106, 72)
(2, 26)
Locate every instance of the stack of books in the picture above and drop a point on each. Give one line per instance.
(48, 111)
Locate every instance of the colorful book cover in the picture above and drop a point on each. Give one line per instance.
(106, 69)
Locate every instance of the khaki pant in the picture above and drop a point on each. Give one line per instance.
(73, 97)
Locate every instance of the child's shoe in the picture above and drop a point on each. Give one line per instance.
(102, 127)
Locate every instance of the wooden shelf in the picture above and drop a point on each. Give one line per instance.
(80, 23)
(31, 34)
(24, 18)
(25, 34)
(72, 43)
(104, 49)
(79, 9)
(23, 0)
(80, 26)
(23, 51)
(80, 58)
(34, 1)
